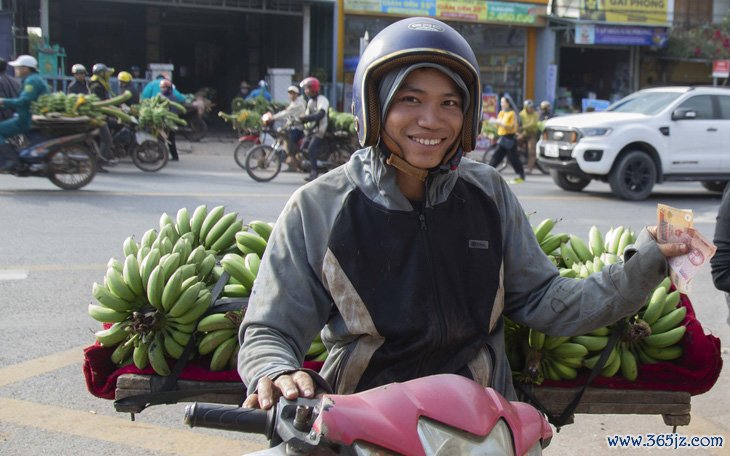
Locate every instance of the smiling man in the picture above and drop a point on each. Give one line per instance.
(407, 257)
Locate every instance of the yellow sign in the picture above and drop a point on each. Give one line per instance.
(625, 11)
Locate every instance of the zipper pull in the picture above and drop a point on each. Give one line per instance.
(422, 219)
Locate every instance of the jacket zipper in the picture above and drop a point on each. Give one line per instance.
(424, 230)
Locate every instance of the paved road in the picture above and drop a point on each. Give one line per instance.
(55, 244)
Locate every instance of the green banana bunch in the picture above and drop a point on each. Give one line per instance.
(317, 351)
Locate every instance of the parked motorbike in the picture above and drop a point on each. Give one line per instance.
(438, 415)
(148, 153)
(69, 161)
(263, 162)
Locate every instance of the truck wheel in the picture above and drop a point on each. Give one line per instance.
(569, 182)
(715, 186)
(633, 177)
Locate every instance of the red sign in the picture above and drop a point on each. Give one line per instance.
(720, 68)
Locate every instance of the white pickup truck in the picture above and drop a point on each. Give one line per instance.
(649, 137)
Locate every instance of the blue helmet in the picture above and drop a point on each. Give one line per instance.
(408, 41)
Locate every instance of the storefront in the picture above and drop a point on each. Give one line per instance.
(502, 34)
(600, 48)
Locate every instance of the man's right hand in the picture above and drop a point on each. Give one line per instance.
(290, 386)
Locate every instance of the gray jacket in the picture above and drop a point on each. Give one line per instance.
(403, 291)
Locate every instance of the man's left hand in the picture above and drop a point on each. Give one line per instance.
(669, 249)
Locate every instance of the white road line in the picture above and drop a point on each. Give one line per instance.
(13, 274)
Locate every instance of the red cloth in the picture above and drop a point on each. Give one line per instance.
(695, 372)
(101, 373)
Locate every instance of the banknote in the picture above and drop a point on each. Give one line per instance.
(671, 220)
(684, 267)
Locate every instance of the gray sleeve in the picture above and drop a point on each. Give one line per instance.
(272, 341)
(536, 296)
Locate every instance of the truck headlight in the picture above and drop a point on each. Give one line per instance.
(596, 131)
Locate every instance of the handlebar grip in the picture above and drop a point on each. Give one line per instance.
(227, 417)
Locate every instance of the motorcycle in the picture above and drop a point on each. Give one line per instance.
(248, 141)
(148, 153)
(69, 160)
(438, 415)
(263, 162)
(196, 127)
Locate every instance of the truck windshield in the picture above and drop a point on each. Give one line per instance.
(646, 103)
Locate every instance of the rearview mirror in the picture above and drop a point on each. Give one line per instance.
(684, 113)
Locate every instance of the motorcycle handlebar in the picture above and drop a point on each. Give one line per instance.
(229, 418)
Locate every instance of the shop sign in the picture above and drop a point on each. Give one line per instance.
(469, 10)
(622, 36)
(720, 68)
(626, 11)
(489, 105)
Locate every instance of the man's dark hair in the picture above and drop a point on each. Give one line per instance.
(3, 65)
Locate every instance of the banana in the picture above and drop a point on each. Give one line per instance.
(113, 335)
(564, 372)
(536, 339)
(656, 306)
(233, 363)
(671, 302)
(188, 275)
(182, 247)
(147, 264)
(167, 232)
(666, 283)
(589, 267)
(607, 240)
(165, 220)
(180, 337)
(251, 241)
(629, 366)
(263, 229)
(211, 218)
(233, 290)
(542, 229)
(220, 227)
(197, 255)
(591, 362)
(315, 348)
(199, 308)
(121, 354)
(130, 247)
(569, 256)
(183, 221)
(550, 243)
(610, 258)
(592, 343)
(548, 371)
(115, 282)
(252, 262)
(148, 238)
(627, 237)
(602, 331)
(580, 248)
(663, 354)
(568, 273)
(610, 369)
(598, 264)
(107, 299)
(584, 273)
(615, 238)
(165, 245)
(552, 342)
(186, 300)
(196, 221)
(156, 354)
(570, 350)
(132, 276)
(172, 290)
(206, 266)
(669, 321)
(213, 339)
(235, 266)
(595, 241)
(106, 315)
(217, 321)
(228, 238)
(642, 356)
(172, 347)
(187, 328)
(222, 354)
(170, 263)
(575, 363)
(140, 356)
(665, 339)
(155, 287)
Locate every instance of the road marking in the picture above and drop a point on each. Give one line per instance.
(38, 366)
(119, 431)
(13, 274)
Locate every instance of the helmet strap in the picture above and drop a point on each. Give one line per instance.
(394, 158)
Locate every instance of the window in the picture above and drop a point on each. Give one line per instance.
(724, 102)
(701, 104)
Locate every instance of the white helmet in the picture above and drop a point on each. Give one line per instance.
(26, 61)
(78, 68)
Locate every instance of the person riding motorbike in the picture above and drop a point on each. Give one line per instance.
(125, 83)
(261, 91)
(9, 88)
(166, 90)
(545, 110)
(33, 86)
(291, 114)
(529, 132)
(79, 85)
(405, 259)
(153, 87)
(316, 112)
(99, 86)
